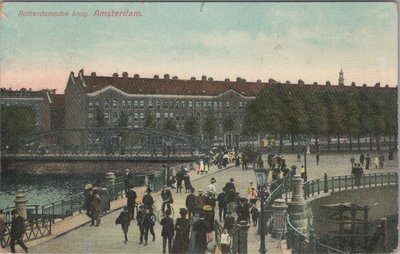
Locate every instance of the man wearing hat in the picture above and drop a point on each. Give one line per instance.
(125, 220)
(96, 208)
(148, 200)
(190, 202)
(17, 231)
(182, 227)
(130, 201)
(166, 196)
(127, 180)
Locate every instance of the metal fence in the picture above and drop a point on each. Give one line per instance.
(340, 183)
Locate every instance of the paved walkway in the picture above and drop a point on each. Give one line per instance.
(74, 235)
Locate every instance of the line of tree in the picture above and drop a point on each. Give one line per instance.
(314, 111)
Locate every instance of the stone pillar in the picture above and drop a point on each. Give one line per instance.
(297, 206)
(110, 181)
(279, 211)
(20, 204)
(242, 229)
(146, 180)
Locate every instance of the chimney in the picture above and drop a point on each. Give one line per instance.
(210, 79)
(271, 81)
(175, 77)
(387, 86)
(243, 80)
(227, 80)
(193, 78)
(258, 80)
(287, 82)
(125, 74)
(364, 85)
(315, 83)
(93, 74)
(377, 85)
(238, 79)
(81, 72)
(166, 76)
(115, 75)
(204, 77)
(136, 76)
(156, 77)
(353, 84)
(71, 74)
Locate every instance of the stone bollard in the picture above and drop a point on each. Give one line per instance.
(146, 180)
(297, 206)
(325, 183)
(20, 205)
(110, 181)
(279, 211)
(242, 232)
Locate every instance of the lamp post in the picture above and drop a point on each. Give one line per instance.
(305, 141)
(261, 185)
(168, 144)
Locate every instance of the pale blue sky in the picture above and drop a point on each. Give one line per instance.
(284, 41)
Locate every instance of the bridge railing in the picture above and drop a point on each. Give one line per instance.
(34, 229)
(32, 211)
(348, 182)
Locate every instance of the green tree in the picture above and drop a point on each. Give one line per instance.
(170, 125)
(209, 125)
(99, 121)
(123, 120)
(191, 126)
(149, 120)
(335, 112)
(16, 121)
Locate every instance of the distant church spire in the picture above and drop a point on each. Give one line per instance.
(341, 78)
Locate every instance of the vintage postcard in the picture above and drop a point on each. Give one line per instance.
(199, 127)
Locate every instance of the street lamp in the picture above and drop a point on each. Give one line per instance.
(261, 186)
(305, 142)
(168, 144)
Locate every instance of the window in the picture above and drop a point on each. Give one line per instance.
(171, 104)
(204, 104)
(106, 116)
(115, 104)
(165, 104)
(215, 105)
(240, 104)
(158, 104)
(171, 115)
(90, 104)
(190, 104)
(227, 104)
(135, 104)
(115, 116)
(178, 118)
(220, 114)
(136, 126)
(150, 103)
(97, 103)
(130, 119)
(245, 104)
(158, 115)
(135, 116)
(166, 115)
(141, 115)
(141, 104)
(123, 105)
(129, 104)
(106, 103)
(209, 104)
(90, 117)
(198, 115)
(220, 104)
(182, 104)
(197, 105)
(177, 104)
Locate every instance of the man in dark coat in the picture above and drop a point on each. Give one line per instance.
(367, 161)
(362, 159)
(222, 204)
(127, 180)
(182, 231)
(166, 196)
(125, 220)
(148, 200)
(95, 206)
(179, 179)
(230, 185)
(140, 221)
(200, 230)
(167, 231)
(188, 184)
(191, 202)
(130, 201)
(17, 231)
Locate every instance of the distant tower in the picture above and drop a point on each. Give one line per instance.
(341, 78)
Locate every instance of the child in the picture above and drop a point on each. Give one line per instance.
(254, 215)
(225, 242)
(124, 220)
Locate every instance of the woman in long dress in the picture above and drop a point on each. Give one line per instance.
(182, 230)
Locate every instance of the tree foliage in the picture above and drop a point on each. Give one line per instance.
(99, 118)
(149, 120)
(123, 120)
(170, 125)
(191, 126)
(209, 125)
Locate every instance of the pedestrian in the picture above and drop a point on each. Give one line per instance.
(200, 200)
(140, 221)
(254, 214)
(222, 205)
(127, 180)
(229, 222)
(352, 160)
(303, 172)
(17, 231)
(298, 157)
(124, 219)
(206, 168)
(148, 225)
(190, 202)
(252, 194)
(167, 231)
(376, 162)
(199, 228)
(167, 199)
(198, 167)
(367, 161)
(131, 201)
(148, 200)
(381, 161)
(211, 187)
(230, 185)
(105, 200)
(88, 195)
(317, 157)
(357, 172)
(188, 185)
(209, 212)
(225, 242)
(2, 229)
(179, 179)
(243, 211)
(201, 165)
(362, 159)
(96, 208)
(182, 231)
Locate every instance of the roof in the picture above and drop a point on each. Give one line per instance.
(169, 86)
(57, 100)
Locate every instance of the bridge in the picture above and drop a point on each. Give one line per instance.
(111, 144)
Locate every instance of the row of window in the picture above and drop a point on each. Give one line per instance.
(137, 116)
(124, 104)
(20, 103)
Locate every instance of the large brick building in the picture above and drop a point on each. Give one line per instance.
(164, 98)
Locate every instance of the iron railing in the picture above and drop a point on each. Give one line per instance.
(32, 211)
(341, 183)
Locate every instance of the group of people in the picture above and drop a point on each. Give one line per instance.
(17, 231)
